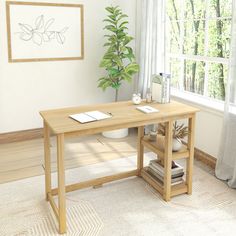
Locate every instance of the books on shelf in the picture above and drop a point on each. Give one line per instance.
(90, 116)
(176, 168)
(162, 182)
(156, 170)
(147, 109)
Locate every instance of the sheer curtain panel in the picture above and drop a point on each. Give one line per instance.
(226, 161)
(151, 41)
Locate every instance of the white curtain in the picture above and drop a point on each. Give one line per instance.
(226, 161)
(151, 19)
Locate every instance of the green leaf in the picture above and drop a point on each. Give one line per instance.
(121, 35)
(132, 68)
(126, 77)
(111, 28)
(116, 85)
(121, 17)
(127, 40)
(110, 21)
(110, 9)
(113, 72)
(106, 44)
(112, 17)
(105, 63)
(123, 23)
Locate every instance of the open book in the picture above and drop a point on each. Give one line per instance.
(147, 109)
(90, 116)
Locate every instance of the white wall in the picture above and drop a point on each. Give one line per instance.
(27, 88)
(209, 123)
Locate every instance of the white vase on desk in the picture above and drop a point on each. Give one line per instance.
(118, 133)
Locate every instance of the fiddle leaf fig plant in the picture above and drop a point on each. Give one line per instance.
(118, 60)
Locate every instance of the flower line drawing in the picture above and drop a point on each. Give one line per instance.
(41, 33)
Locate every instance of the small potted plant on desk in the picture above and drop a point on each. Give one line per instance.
(118, 60)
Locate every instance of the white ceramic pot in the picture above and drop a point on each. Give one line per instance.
(176, 143)
(118, 133)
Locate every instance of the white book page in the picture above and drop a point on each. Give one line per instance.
(98, 115)
(82, 118)
(147, 109)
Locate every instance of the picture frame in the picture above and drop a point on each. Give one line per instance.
(37, 31)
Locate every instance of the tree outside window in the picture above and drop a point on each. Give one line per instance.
(198, 32)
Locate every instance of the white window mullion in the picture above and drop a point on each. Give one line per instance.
(200, 58)
(181, 22)
(206, 46)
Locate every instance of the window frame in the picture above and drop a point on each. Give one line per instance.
(181, 56)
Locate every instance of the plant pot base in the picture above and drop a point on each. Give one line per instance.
(118, 133)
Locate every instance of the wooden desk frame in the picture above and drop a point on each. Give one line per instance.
(60, 210)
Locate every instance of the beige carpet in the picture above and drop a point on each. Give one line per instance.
(123, 208)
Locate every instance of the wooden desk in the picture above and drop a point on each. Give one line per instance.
(125, 115)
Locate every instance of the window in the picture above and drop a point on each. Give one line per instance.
(198, 33)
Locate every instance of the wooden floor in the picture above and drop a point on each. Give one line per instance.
(25, 159)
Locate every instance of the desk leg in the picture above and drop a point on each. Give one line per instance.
(140, 149)
(168, 161)
(61, 184)
(189, 168)
(47, 160)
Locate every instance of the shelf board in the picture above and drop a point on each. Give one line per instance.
(175, 189)
(149, 179)
(182, 153)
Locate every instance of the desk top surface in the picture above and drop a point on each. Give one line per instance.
(124, 115)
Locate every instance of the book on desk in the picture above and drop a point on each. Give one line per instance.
(90, 116)
(147, 109)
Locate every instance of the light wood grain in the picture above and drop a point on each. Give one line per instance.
(149, 179)
(168, 160)
(53, 205)
(47, 160)
(124, 115)
(140, 148)
(189, 166)
(61, 184)
(97, 181)
(152, 145)
(23, 135)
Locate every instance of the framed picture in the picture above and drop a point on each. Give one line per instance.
(44, 31)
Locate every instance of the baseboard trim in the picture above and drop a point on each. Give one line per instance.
(21, 135)
(205, 158)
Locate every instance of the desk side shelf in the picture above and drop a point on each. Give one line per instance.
(175, 189)
(182, 153)
(152, 145)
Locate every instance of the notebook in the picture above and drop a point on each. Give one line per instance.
(147, 109)
(90, 116)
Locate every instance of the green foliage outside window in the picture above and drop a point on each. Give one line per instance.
(199, 35)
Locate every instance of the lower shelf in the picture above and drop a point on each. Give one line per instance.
(175, 189)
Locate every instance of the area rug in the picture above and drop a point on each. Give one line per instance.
(128, 207)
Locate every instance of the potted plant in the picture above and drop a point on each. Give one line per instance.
(118, 60)
(179, 132)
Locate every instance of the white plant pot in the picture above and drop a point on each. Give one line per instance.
(118, 133)
(176, 143)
